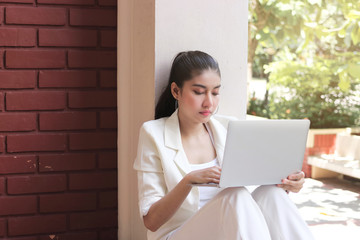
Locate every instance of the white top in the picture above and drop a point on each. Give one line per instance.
(206, 193)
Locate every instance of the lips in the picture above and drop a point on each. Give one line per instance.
(205, 113)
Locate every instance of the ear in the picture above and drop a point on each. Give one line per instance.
(175, 90)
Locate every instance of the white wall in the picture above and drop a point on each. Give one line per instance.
(150, 34)
(216, 27)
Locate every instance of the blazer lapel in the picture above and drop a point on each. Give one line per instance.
(173, 140)
(219, 133)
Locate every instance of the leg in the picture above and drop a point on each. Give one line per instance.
(232, 214)
(281, 214)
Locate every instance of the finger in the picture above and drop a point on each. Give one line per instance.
(293, 186)
(296, 176)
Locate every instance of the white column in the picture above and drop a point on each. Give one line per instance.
(216, 27)
(150, 33)
(136, 101)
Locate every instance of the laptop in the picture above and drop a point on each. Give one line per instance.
(262, 152)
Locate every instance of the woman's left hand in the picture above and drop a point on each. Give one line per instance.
(293, 183)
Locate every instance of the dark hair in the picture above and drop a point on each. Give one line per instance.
(185, 66)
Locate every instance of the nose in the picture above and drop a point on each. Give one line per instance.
(208, 101)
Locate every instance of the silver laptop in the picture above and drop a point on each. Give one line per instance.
(262, 152)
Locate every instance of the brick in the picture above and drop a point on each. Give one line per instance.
(1, 15)
(104, 180)
(108, 38)
(36, 184)
(68, 2)
(35, 100)
(109, 235)
(35, 16)
(67, 38)
(99, 219)
(67, 79)
(72, 236)
(24, 238)
(108, 160)
(108, 119)
(92, 59)
(1, 101)
(67, 202)
(91, 141)
(326, 140)
(107, 2)
(17, 79)
(36, 224)
(2, 185)
(67, 121)
(17, 164)
(35, 59)
(18, 205)
(17, 1)
(93, 17)
(36, 142)
(108, 79)
(2, 143)
(66, 162)
(2, 227)
(108, 199)
(17, 122)
(93, 99)
(17, 37)
(1, 59)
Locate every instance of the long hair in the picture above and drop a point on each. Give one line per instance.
(185, 66)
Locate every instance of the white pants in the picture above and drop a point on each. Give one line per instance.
(236, 214)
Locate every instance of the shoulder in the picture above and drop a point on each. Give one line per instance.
(224, 119)
(154, 124)
(152, 128)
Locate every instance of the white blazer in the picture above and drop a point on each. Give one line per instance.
(161, 163)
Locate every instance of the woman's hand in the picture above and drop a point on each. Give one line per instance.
(293, 183)
(206, 175)
(162, 210)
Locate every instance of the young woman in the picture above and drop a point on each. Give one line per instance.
(184, 146)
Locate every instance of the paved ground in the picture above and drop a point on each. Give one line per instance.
(331, 207)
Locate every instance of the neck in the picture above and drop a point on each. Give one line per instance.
(191, 129)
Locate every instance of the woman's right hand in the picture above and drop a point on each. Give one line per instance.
(161, 211)
(206, 175)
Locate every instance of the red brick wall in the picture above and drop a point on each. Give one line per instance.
(58, 177)
(323, 144)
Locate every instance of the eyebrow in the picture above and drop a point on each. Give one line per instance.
(202, 86)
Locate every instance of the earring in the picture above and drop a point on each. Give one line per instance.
(176, 104)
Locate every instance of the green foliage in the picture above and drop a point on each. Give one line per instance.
(329, 99)
(309, 51)
(258, 107)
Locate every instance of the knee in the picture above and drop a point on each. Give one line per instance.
(268, 191)
(235, 192)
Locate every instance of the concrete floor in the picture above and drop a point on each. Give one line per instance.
(331, 207)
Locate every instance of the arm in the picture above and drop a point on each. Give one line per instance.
(162, 210)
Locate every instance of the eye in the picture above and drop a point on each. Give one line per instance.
(198, 92)
(215, 93)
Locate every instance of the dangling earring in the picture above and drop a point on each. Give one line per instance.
(176, 104)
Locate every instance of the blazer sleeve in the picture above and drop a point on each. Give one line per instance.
(151, 182)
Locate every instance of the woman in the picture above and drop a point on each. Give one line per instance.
(183, 147)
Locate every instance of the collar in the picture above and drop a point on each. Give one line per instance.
(173, 140)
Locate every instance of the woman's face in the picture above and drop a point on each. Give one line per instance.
(198, 99)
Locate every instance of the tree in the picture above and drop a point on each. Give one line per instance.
(297, 41)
